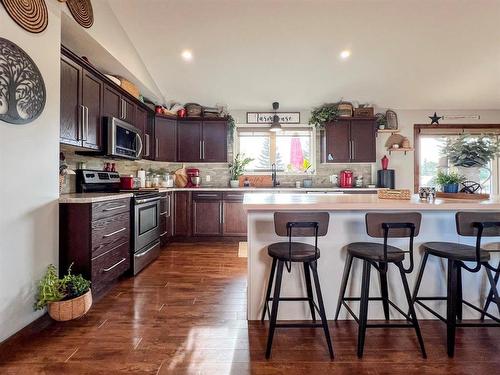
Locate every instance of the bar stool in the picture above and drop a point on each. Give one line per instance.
(380, 255)
(296, 224)
(469, 224)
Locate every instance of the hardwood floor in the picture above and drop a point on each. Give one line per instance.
(185, 314)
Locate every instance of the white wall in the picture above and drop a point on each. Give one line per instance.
(29, 182)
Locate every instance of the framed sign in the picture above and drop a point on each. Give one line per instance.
(267, 117)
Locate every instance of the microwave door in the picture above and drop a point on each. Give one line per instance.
(124, 140)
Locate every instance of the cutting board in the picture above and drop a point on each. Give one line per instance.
(257, 180)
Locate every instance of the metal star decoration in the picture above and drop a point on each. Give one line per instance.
(435, 119)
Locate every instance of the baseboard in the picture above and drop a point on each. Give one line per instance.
(34, 327)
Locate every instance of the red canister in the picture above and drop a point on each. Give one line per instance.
(346, 179)
(126, 182)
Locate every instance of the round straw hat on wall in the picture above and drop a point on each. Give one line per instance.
(31, 15)
(82, 12)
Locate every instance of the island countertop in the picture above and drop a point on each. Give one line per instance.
(361, 202)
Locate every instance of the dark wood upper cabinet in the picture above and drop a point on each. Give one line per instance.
(92, 89)
(189, 146)
(71, 111)
(165, 131)
(349, 141)
(214, 142)
(129, 109)
(112, 104)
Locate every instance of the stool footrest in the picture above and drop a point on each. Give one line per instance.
(299, 325)
(440, 317)
(374, 299)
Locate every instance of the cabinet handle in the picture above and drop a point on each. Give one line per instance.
(207, 195)
(79, 134)
(235, 195)
(114, 208)
(86, 123)
(353, 151)
(201, 152)
(157, 148)
(115, 232)
(203, 149)
(115, 265)
(168, 205)
(140, 146)
(221, 219)
(123, 109)
(164, 233)
(147, 146)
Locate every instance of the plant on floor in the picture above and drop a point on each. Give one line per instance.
(53, 289)
(323, 114)
(237, 167)
(471, 151)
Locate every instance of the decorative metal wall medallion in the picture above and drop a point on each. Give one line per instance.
(31, 15)
(22, 90)
(82, 12)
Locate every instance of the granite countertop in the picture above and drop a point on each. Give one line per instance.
(278, 189)
(360, 202)
(92, 197)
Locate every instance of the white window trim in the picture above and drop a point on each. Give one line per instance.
(236, 147)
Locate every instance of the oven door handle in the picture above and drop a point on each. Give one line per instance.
(147, 200)
(146, 251)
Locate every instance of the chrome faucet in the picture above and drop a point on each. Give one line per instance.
(273, 175)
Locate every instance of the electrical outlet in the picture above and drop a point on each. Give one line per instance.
(208, 178)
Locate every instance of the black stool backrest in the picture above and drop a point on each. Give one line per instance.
(468, 223)
(375, 221)
(281, 219)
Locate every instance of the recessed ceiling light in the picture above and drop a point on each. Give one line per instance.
(187, 55)
(345, 54)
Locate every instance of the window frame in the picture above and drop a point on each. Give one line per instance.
(273, 135)
(461, 128)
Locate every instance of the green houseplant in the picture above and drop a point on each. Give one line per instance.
(468, 151)
(323, 114)
(66, 298)
(237, 168)
(449, 182)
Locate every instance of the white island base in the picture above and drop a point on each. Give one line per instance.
(347, 224)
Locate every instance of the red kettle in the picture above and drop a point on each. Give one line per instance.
(346, 179)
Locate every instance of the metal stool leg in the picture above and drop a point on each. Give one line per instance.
(343, 285)
(411, 308)
(269, 288)
(363, 307)
(314, 268)
(274, 310)
(459, 302)
(451, 307)
(384, 291)
(420, 276)
(493, 290)
(307, 275)
(490, 294)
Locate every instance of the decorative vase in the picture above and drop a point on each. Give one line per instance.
(234, 183)
(450, 188)
(385, 162)
(70, 309)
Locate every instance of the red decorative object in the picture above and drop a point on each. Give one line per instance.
(385, 162)
(126, 182)
(346, 179)
(181, 112)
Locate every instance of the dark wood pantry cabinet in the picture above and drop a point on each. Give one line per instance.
(349, 140)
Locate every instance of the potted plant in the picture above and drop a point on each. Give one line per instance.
(67, 298)
(449, 182)
(237, 168)
(323, 114)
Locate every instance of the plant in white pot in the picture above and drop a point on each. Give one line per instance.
(237, 168)
(67, 298)
(472, 154)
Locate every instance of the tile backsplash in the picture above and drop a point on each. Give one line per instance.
(218, 172)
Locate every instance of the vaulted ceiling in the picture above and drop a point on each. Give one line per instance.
(406, 54)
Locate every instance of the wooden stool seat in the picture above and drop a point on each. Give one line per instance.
(375, 251)
(454, 251)
(301, 252)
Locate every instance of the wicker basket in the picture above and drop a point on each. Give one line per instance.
(130, 88)
(70, 309)
(403, 194)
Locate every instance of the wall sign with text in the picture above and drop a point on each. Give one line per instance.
(267, 117)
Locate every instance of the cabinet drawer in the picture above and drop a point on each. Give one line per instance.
(101, 210)
(109, 266)
(207, 195)
(110, 232)
(236, 196)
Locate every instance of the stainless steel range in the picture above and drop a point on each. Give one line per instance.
(145, 210)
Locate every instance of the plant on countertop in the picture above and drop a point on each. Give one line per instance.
(450, 178)
(323, 114)
(237, 167)
(469, 151)
(53, 289)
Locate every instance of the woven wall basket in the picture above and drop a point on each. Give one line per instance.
(82, 12)
(31, 15)
(70, 309)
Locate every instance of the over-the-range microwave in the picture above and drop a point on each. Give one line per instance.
(122, 139)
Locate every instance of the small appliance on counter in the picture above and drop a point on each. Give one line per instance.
(194, 179)
(346, 179)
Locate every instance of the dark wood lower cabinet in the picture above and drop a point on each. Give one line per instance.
(235, 219)
(182, 213)
(207, 217)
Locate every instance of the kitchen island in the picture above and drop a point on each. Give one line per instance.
(347, 224)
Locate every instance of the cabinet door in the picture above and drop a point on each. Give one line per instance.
(71, 111)
(207, 217)
(337, 142)
(189, 141)
(128, 110)
(234, 219)
(214, 141)
(92, 89)
(165, 139)
(363, 148)
(141, 123)
(112, 104)
(182, 213)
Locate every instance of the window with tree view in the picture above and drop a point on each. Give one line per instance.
(291, 150)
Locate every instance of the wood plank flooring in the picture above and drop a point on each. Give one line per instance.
(186, 314)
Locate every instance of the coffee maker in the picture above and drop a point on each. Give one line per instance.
(194, 179)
